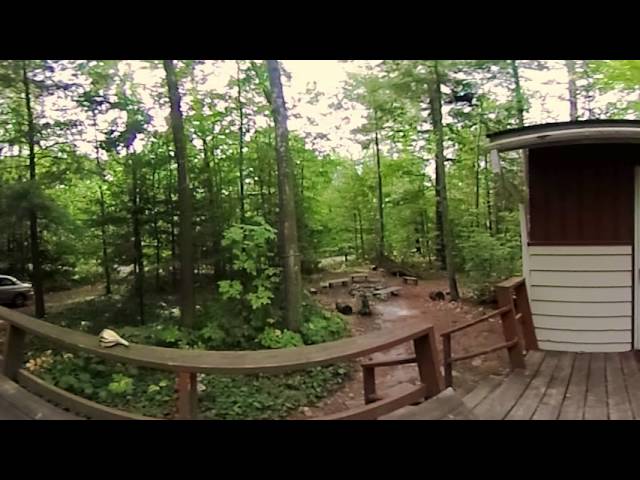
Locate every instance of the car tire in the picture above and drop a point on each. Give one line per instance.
(19, 301)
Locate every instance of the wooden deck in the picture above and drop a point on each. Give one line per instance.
(555, 386)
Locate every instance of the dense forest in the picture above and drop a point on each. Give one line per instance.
(201, 212)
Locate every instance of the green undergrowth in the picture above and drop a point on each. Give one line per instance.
(153, 393)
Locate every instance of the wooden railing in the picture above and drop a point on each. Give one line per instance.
(514, 312)
(188, 363)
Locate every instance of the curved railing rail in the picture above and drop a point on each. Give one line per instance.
(187, 363)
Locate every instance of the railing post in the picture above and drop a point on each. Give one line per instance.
(428, 363)
(187, 396)
(448, 364)
(13, 352)
(524, 308)
(369, 380)
(510, 327)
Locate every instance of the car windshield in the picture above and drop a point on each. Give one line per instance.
(13, 279)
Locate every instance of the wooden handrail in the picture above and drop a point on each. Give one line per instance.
(512, 282)
(479, 353)
(476, 321)
(186, 363)
(221, 362)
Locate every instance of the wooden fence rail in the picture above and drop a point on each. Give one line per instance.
(186, 364)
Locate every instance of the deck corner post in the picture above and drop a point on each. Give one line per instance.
(429, 363)
(448, 364)
(13, 352)
(510, 329)
(524, 308)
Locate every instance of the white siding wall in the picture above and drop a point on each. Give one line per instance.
(581, 297)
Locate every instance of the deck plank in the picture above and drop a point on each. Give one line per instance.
(574, 400)
(549, 406)
(10, 412)
(632, 380)
(530, 399)
(31, 406)
(617, 396)
(596, 404)
(499, 402)
(478, 394)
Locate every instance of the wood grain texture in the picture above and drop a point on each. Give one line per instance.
(596, 403)
(551, 402)
(575, 397)
(528, 402)
(498, 403)
(229, 362)
(31, 406)
(617, 397)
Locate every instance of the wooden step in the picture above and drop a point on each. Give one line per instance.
(447, 405)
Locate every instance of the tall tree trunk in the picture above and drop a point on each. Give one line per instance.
(38, 287)
(517, 91)
(477, 167)
(440, 253)
(287, 211)
(212, 213)
(487, 181)
(217, 207)
(172, 230)
(435, 97)
(427, 241)
(241, 144)
(573, 90)
(156, 229)
(380, 252)
(355, 235)
(103, 227)
(185, 234)
(138, 260)
(362, 250)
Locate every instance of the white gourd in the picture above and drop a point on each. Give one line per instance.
(109, 338)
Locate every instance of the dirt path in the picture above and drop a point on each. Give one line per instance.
(57, 300)
(413, 302)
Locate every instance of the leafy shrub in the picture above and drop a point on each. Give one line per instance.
(323, 328)
(274, 338)
(251, 292)
(488, 260)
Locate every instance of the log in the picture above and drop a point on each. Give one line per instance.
(344, 308)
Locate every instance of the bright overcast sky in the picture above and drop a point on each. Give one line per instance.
(547, 93)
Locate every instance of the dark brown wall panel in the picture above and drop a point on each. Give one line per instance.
(582, 194)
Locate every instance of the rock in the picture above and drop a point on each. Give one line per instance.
(351, 395)
(313, 291)
(306, 411)
(476, 362)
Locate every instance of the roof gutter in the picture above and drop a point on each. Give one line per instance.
(565, 136)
